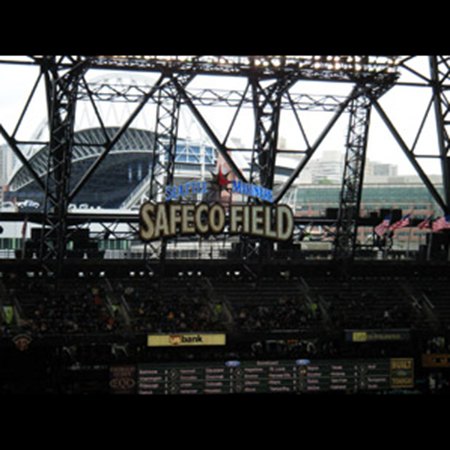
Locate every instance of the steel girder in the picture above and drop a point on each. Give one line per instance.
(166, 129)
(162, 169)
(88, 144)
(350, 197)
(267, 106)
(61, 89)
(29, 170)
(440, 76)
(266, 102)
(112, 142)
(330, 68)
(365, 93)
(438, 81)
(106, 91)
(327, 68)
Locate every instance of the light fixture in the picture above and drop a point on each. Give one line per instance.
(276, 62)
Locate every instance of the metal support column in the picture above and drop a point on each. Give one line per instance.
(267, 108)
(164, 148)
(62, 89)
(350, 197)
(440, 77)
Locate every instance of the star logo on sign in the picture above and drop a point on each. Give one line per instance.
(219, 181)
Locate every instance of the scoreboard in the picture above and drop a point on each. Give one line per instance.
(291, 377)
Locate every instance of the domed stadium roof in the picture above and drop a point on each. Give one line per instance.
(126, 165)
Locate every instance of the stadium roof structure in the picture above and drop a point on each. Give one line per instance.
(127, 164)
(270, 79)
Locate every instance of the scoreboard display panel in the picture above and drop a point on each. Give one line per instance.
(290, 377)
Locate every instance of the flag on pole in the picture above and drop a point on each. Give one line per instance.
(425, 224)
(403, 222)
(381, 228)
(443, 223)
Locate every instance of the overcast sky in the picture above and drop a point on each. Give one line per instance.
(404, 105)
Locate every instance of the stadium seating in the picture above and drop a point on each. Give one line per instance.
(232, 304)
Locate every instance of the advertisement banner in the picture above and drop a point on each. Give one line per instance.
(402, 373)
(436, 360)
(185, 339)
(377, 335)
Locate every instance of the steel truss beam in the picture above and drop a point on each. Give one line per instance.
(330, 68)
(80, 219)
(110, 229)
(350, 197)
(164, 148)
(115, 139)
(61, 89)
(65, 83)
(166, 129)
(129, 93)
(410, 155)
(266, 103)
(13, 145)
(364, 95)
(311, 150)
(266, 106)
(221, 148)
(440, 75)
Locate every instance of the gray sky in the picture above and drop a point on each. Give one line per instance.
(404, 105)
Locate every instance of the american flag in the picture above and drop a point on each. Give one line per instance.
(425, 224)
(442, 223)
(381, 228)
(403, 222)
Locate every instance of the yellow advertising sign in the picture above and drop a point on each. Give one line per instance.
(402, 373)
(188, 339)
(359, 336)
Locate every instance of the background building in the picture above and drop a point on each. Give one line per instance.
(7, 161)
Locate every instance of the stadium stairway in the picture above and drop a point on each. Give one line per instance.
(318, 300)
(425, 317)
(67, 308)
(277, 304)
(116, 302)
(435, 292)
(216, 300)
(361, 302)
